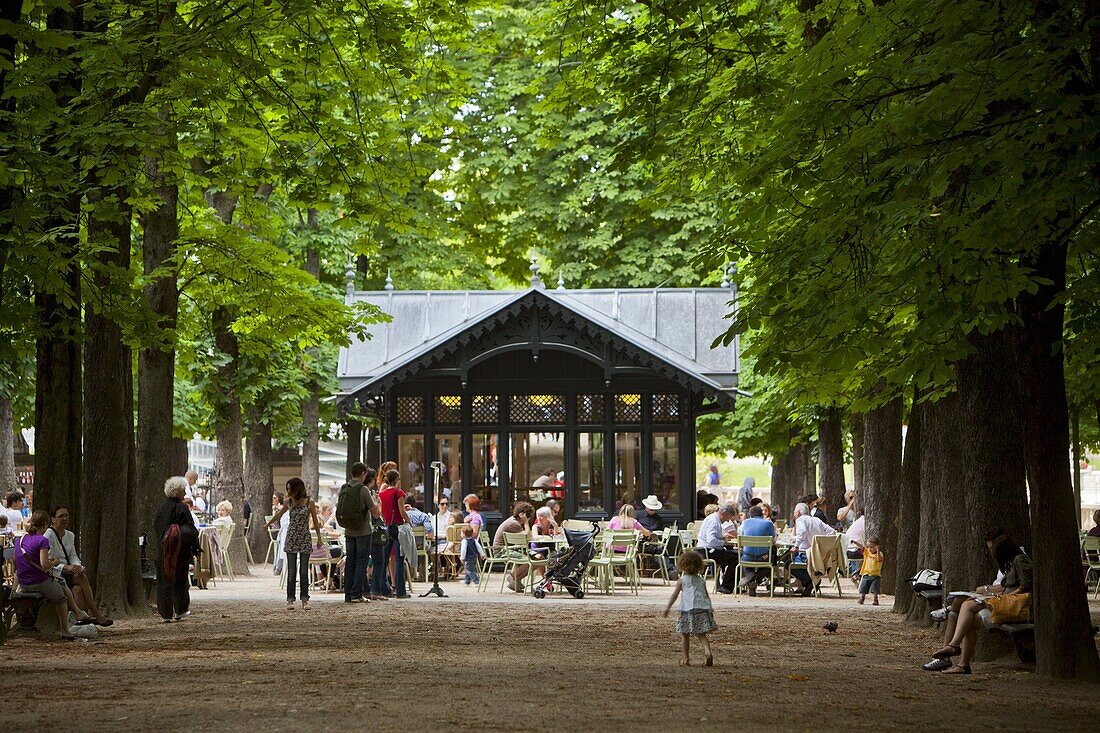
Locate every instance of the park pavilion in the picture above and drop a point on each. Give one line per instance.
(587, 396)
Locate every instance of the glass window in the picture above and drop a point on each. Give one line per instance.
(485, 408)
(410, 410)
(537, 462)
(666, 467)
(666, 408)
(410, 451)
(537, 408)
(590, 472)
(448, 409)
(485, 480)
(628, 408)
(448, 451)
(590, 409)
(628, 469)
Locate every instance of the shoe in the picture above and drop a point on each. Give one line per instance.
(674, 574)
(725, 591)
(874, 602)
(305, 605)
(104, 622)
(510, 582)
(807, 591)
(404, 597)
(167, 620)
(752, 591)
(355, 600)
(85, 621)
(467, 581)
(290, 605)
(937, 665)
(182, 616)
(939, 615)
(376, 597)
(860, 601)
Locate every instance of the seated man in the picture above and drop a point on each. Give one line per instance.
(755, 526)
(654, 522)
(806, 527)
(712, 541)
(520, 521)
(63, 549)
(854, 550)
(13, 509)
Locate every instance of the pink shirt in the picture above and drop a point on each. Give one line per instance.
(617, 523)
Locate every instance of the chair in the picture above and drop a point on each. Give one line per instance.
(330, 564)
(581, 525)
(421, 548)
(454, 536)
(625, 558)
(225, 536)
(825, 560)
(768, 561)
(273, 545)
(687, 542)
(493, 556)
(516, 553)
(248, 541)
(780, 525)
(659, 560)
(1090, 547)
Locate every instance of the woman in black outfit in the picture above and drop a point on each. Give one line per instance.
(179, 542)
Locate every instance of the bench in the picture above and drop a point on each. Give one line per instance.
(19, 604)
(1022, 636)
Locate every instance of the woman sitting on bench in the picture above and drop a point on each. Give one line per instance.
(32, 569)
(963, 620)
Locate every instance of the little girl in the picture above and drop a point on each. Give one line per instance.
(696, 612)
(297, 546)
(870, 571)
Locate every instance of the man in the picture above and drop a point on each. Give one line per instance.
(192, 479)
(745, 495)
(654, 522)
(806, 527)
(545, 481)
(713, 478)
(854, 550)
(555, 511)
(198, 498)
(356, 512)
(712, 541)
(520, 521)
(755, 526)
(13, 508)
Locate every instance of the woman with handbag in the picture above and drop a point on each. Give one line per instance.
(391, 499)
(179, 543)
(1008, 602)
(33, 566)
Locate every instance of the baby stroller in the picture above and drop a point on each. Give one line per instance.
(568, 565)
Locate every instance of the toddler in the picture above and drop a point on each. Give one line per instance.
(696, 612)
(870, 572)
(5, 530)
(471, 553)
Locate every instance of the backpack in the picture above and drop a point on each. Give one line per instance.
(927, 580)
(349, 508)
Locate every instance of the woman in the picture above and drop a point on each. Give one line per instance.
(63, 549)
(301, 510)
(963, 629)
(472, 502)
(1095, 531)
(392, 502)
(179, 542)
(625, 520)
(224, 510)
(543, 530)
(33, 566)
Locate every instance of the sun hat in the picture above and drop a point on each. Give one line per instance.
(652, 502)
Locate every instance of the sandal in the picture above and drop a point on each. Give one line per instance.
(290, 605)
(66, 637)
(957, 669)
(947, 652)
(710, 661)
(85, 621)
(105, 622)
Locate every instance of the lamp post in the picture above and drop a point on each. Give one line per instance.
(435, 590)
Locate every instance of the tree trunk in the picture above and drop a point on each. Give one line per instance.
(311, 408)
(180, 458)
(353, 429)
(259, 471)
(11, 13)
(156, 362)
(882, 482)
(8, 482)
(1077, 465)
(108, 531)
(1063, 628)
(857, 454)
(830, 457)
(372, 451)
(932, 463)
(229, 476)
(910, 522)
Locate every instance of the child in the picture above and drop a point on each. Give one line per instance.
(870, 571)
(297, 546)
(696, 612)
(471, 553)
(5, 530)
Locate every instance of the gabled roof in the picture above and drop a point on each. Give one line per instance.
(672, 328)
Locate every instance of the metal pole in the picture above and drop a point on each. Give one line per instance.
(435, 590)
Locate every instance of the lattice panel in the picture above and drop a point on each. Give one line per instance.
(410, 410)
(448, 409)
(666, 408)
(590, 408)
(539, 409)
(628, 408)
(485, 408)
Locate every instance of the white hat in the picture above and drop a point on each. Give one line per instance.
(652, 502)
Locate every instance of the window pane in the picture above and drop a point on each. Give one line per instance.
(448, 409)
(590, 472)
(628, 469)
(410, 449)
(628, 408)
(666, 467)
(536, 460)
(410, 410)
(537, 408)
(666, 408)
(484, 481)
(590, 408)
(485, 408)
(448, 451)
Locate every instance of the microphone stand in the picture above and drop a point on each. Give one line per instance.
(435, 590)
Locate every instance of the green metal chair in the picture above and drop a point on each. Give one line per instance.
(768, 561)
(1090, 548)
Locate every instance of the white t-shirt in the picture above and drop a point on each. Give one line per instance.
(14, 517)
(855, 533)
(806, 528)
(200, 503)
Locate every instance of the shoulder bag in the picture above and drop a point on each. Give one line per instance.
(1011, 608)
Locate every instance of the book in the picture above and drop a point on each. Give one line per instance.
(967, 594)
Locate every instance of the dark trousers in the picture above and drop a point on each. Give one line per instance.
(301, 573)
(173, 594)
(394, 547)
(355, 565)
(379, 567)
(727, 561)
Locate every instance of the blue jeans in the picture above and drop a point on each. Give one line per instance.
(394, 547)
(301, 559)
(802, 575)
(869, 584)
(357, 555)
(378, 585)
(471, 571)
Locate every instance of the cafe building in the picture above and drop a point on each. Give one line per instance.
(586, 396)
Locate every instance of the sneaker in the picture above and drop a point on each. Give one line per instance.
(510, 582)
(937, 665)
(182, 616)
(939, 615)
(861, 599)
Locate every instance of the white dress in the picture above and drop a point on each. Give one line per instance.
(696, 611)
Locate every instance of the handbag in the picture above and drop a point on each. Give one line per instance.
(379, 535)
(1011, 608)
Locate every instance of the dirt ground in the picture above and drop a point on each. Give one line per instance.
(505, 662)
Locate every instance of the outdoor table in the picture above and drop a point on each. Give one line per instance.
(211, 555)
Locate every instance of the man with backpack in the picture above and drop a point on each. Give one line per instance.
(356, 512)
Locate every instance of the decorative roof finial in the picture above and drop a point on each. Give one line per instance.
(536, 281)
(561, 280)
(389, 281)
(349, 276)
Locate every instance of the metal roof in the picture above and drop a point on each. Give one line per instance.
(674, 326)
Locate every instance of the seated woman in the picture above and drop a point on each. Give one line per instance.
(224, 510)
(63, 550)
(964, 618)
(542, 529)
(33, 566)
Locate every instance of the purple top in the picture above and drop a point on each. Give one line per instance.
(27, 548)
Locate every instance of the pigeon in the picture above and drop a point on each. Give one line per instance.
(831, 627)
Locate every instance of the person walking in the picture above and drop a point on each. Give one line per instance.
(356, 512)
(696, 610)
(870, 572)
(179, 542)
(472, 553)
(393, 512)
(301, 510)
